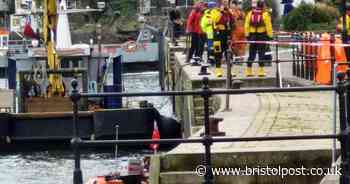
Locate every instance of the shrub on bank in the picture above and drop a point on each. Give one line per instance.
(312, 16)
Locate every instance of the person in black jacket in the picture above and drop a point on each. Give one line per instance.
(175, 20)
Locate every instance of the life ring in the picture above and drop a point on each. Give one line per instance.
(130, 46)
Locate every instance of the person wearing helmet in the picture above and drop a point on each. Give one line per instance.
(257, 27)
(214, 25)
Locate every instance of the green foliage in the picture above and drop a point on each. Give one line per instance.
(312, 16)
(299, 18)
(125, 7)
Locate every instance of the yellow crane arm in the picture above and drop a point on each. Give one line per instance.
(49, 25)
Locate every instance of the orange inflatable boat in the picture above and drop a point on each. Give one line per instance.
(104, 180)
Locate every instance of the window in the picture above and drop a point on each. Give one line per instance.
(3, 72)
(5, 41)
(65, 63)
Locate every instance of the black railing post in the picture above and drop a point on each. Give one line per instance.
(341, 89)
(75, 97)
(347, 86)
(208, 140)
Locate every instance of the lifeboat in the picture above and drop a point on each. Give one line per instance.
(104, 180)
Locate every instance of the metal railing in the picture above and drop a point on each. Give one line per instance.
(342, 88)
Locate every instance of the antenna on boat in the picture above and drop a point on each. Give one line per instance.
(116, 138)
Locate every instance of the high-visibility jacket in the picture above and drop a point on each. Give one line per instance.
(266, 27)
(347, 25)
(209, 22)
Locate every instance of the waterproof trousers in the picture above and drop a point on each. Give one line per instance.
(257, 48)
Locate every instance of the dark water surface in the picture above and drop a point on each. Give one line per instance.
(56, 167)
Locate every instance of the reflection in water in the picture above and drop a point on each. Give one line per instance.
(56, 167)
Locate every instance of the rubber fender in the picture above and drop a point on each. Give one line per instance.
(168, 127)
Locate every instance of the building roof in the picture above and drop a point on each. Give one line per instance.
(72, 52)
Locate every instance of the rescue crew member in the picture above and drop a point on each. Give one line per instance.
(346, 37)
(258, 27)
(197, 36)
(208, 24)
(214, 23)
(237, 33)
(225, 26)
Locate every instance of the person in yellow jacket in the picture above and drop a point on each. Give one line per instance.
(208, 24)
(257, 27)
(346, 38)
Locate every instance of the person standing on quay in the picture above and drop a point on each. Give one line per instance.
(258, 27)
(194, 30)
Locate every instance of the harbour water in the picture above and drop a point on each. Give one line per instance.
(56, 166)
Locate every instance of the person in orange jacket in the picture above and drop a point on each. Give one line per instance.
(237, 33)
(258, 27)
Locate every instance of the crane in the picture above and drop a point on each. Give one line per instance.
(50, 17)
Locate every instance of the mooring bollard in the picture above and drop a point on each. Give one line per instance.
(214, 126)
(75, 97)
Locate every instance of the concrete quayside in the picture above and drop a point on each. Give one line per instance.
(249, 115)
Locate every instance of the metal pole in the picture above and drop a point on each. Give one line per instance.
(347, 87)
(161, 59)
(307, 57)
(75, 97)
(298, 57)
(332, 53)
(99, 38)
(228, 55)
(116, 138)
(302, 67)
(343, 127)
(278, 77)
(293, 53)
(334, 148)
(208, 140)
(313, 58)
